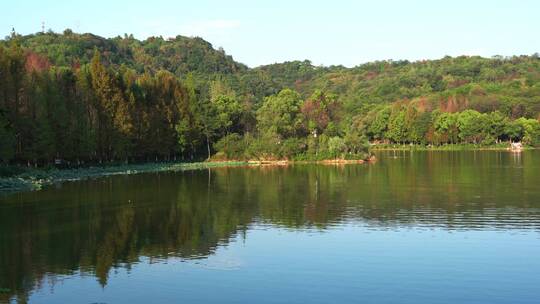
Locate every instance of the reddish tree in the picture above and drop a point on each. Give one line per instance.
(320, 109)
(36, 63)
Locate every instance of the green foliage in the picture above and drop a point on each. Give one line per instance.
(279, 114)
(466, 127)
(227, 113)
(336, 146)
(471, 124)
(514, 130)
(377, 129)
(291, 147)
(446, 127)
(397, 130)
(496, 123)
(419, 127)
(264, 147)
(531, 130)
(232, 146)
(84, 98)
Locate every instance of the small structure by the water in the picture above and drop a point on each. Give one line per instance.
(516, 147)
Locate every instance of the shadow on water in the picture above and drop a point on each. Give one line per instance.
(94, 226)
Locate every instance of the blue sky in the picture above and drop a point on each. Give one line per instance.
(325, 32)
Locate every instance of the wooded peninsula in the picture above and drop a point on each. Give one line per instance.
(81, 98)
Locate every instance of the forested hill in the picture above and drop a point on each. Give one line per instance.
(81, 97)
(178, 55)
(477, 82)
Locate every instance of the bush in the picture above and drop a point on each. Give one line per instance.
(232, 146)
(336, 146)
(488, 140)
(291, 147)
(265, 147)
(271, 147)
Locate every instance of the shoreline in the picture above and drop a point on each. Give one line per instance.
(337, 161)
(37, 179)
(449, 147)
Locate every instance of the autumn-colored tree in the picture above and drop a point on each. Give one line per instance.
(319, 110)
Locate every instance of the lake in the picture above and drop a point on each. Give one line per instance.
(413, 227)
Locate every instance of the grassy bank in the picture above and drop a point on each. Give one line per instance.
(27, 179)
(447, 147)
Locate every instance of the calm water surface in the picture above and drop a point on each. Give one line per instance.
(422, 227)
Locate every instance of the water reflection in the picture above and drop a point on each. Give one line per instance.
(94, 226)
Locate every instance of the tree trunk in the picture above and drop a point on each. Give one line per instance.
(208, 145)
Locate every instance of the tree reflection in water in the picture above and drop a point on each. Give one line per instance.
(95, 226)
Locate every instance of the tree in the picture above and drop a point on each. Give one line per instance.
(496, 124)
(471, 126)
(418, 128)
(228, 112)
(397, 129)
(7, 141)
(219, 116)
(513, 130)
(280, 114)
(355, 138)
(188, 128)
(105, 108)
(320, 110)
(379, 126)
(531, 130)
(446, 127)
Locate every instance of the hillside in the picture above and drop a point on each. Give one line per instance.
(84, 97)
(484, 84)
(179, 55)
